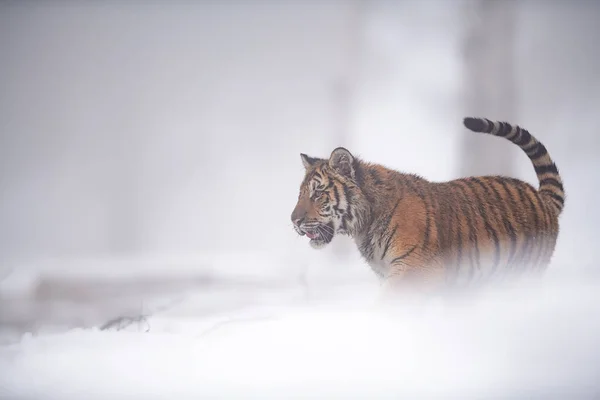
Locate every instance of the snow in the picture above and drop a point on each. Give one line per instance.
(536, 339)
(286, 322)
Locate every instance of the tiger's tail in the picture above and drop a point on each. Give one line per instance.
(551, 186)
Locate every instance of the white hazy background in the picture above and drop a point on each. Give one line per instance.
(149, 163)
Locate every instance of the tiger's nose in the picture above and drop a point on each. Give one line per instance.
(297, 221)
(298, 216)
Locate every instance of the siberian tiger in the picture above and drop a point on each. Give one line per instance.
(411, 230)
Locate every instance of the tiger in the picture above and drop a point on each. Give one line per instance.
(413, 232)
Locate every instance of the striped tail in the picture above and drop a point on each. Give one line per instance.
(550, 182)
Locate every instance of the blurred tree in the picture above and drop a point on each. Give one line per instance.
(489, 81)
(344, 89)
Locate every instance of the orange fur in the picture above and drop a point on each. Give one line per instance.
(419, 233)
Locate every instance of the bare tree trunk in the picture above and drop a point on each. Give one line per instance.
(490, 82)
(344, 90)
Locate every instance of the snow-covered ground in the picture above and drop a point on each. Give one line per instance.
(315, 338)
(151, 98)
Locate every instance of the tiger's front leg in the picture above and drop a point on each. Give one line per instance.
(412, 276)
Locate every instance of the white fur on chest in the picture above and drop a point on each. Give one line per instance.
(372, 252)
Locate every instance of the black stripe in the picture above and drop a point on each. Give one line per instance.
(554, 196)
(359, 175)
(421, 195)
(347, 193)
(546, 214)
(551, 182)
(503, 214)
(366, 247)
(459, 247)
(530, 148)
(536, 242)
(388, 241)
(443, 205)
(528, 237)
(336, 196)
(403, 256)
(426, 235)
(515, 132)
(540, 151)
(409, 185)
(512, 206)
(547, 211)
(469, 214)
(523, 138)
(349, 215)
(466, 207)
(375, 176)
(504, 129)
(490, 126)
(557, 203)
(388, 220)
(545, 169)
(489, 229)
(444, 225)
(459, 238)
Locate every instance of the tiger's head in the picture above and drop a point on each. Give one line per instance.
(330, 199)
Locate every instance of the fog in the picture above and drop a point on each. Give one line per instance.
(149, 154)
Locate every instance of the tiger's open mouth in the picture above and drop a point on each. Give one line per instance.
(318, 234)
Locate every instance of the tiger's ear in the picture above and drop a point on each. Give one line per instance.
(342, 162)
(308, 161)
